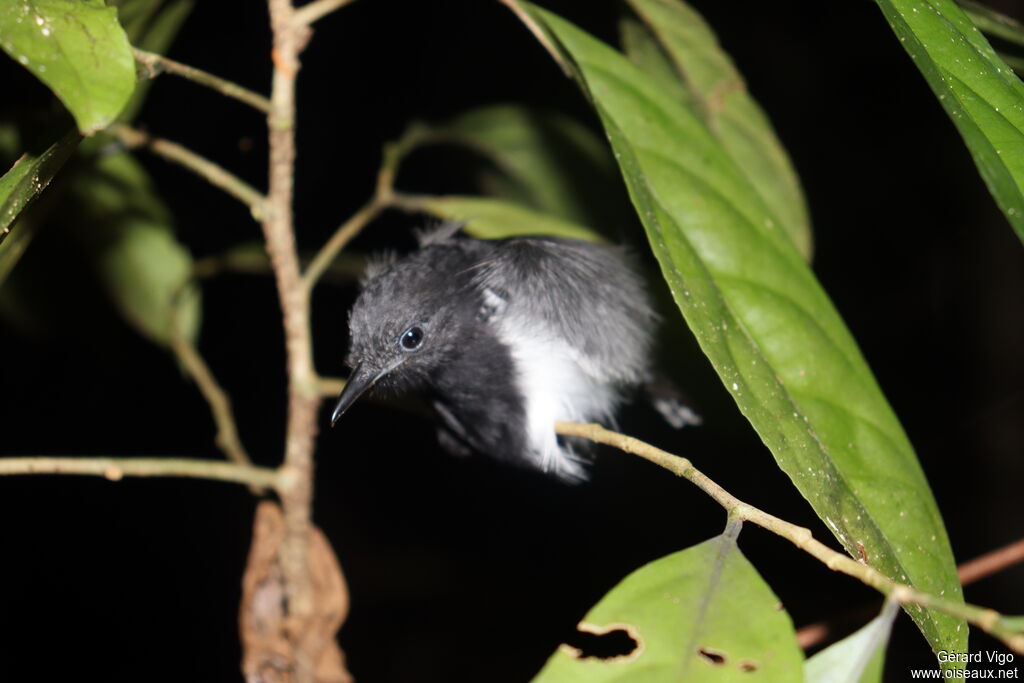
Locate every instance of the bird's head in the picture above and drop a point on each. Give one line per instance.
(406, 323)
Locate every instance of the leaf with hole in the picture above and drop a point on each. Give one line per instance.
(981, 94)
(769, 330)
(700, 614)
(715, 91)
(857, 658)
(78, 49)
(491, 219)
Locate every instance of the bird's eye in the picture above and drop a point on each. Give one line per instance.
(411, 338)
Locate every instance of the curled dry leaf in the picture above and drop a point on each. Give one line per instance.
(270, 636)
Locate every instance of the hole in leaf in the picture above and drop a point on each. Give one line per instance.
(611, 642)
(713, 657)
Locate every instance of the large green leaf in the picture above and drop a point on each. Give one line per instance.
(147, 273)
(19, 187)
(857, 658)
(769, 330)
(701, 614)
(78, 49)
(491, 219)
(542, 159)
(979, 91)
(717, 94)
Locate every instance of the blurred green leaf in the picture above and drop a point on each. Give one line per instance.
(992, 22)
(491, 219)
(769, 330)
(78, 49)
(151, 25)
(979, 91)
(857, 658)
(542, 159)
(717, 94)
(701, 614)
(145, 270)
(19, 187)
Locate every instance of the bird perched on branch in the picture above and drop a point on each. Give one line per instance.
(504, 338)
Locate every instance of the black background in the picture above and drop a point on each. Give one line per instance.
(461, 570)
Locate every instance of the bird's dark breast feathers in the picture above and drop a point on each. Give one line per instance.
(478, 401)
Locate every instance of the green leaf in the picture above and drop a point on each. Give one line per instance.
(641, 47)
(717, 94)
(147, 273)
(857, 658)
(769, 330)
(28, 177)
(545, 160)
(77, 48)
(19, 187)
(979, 91)
(701, 614)
(496, 219)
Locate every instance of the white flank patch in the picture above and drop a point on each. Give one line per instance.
(555, 388)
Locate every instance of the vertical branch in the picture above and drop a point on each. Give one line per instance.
(296, 489)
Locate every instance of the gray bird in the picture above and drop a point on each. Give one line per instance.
(504, 338)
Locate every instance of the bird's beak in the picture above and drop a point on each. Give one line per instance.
(359, 382)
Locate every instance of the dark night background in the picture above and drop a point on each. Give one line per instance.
(461, 570)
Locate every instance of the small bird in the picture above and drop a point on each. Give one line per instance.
(504, 337)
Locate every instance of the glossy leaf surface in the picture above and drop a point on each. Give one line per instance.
(769, 330)
(981, 94)
(78, 49)
(715, 92)
(19, 187)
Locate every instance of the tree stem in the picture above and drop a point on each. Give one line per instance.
(987, 620)
(115, 469)
(201, 166)
(156, 64)
(296, 489)
(313, 11)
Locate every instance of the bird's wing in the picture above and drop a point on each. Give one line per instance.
(585, 295)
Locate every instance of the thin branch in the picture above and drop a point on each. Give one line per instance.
(991, 562)
(410, 203)
(342, 236)
(329, 387)
(220, 404)
(987, 620)
(156, 64)
(115, 469)
(204, 168)
(313, 11)
(539, 33)
(383, 197)
(980, 567)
